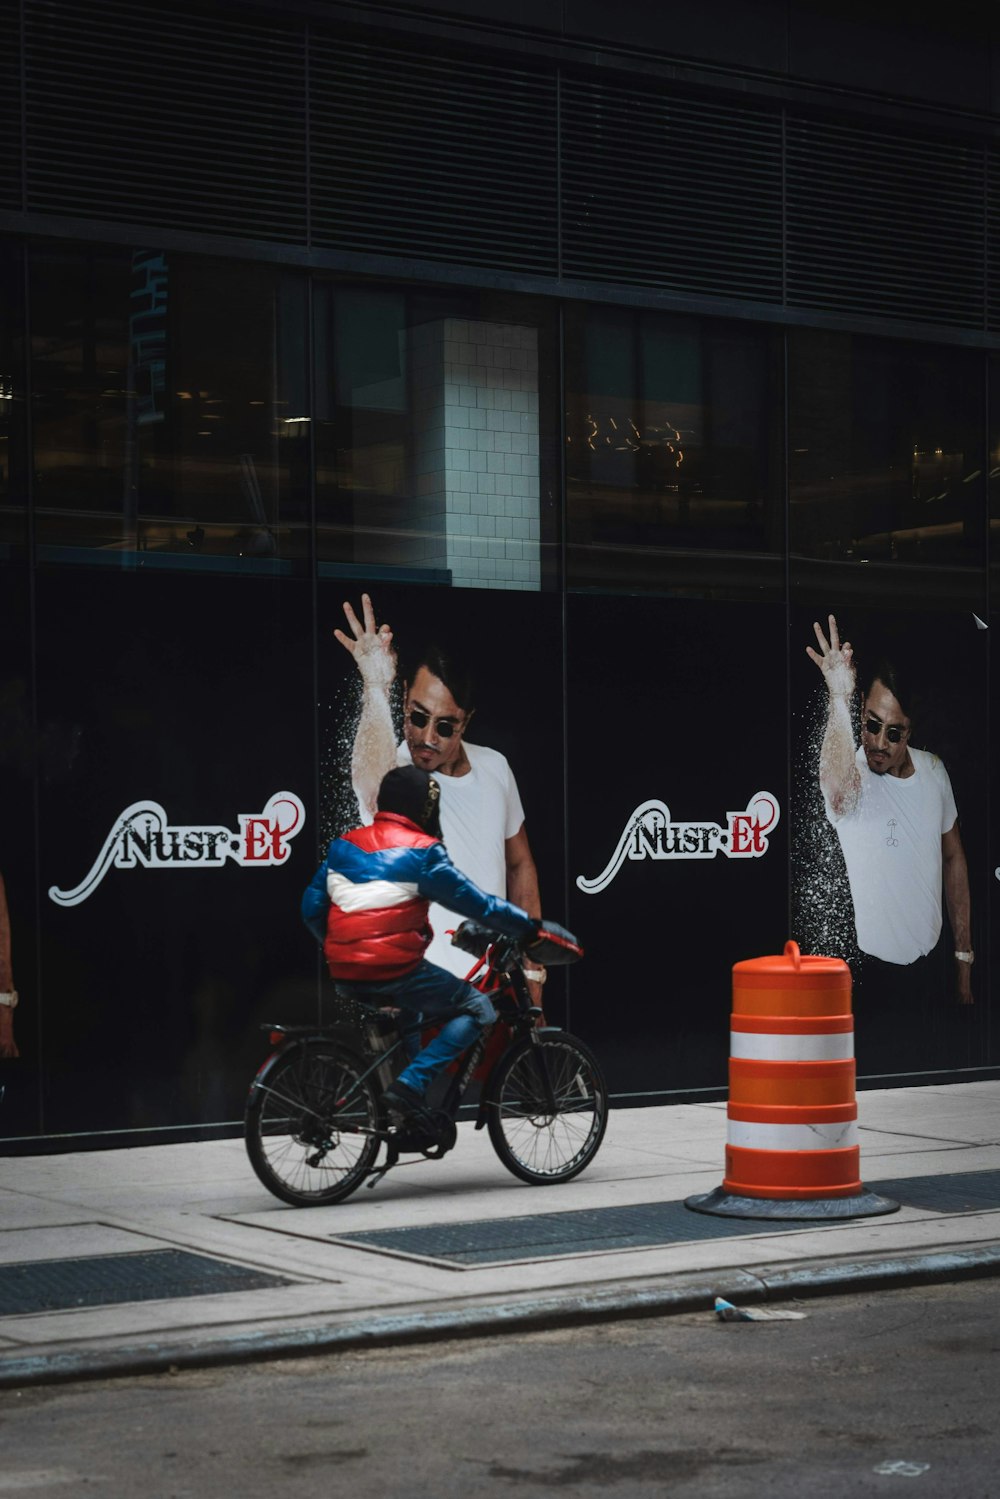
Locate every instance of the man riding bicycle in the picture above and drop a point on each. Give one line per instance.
(367, 904)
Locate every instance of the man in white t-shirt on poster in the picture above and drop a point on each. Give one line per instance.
(897, 822)
(482, 819)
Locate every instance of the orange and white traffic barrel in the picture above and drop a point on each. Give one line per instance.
(792, 1133)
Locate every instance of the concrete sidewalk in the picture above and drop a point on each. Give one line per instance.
(299, 1287)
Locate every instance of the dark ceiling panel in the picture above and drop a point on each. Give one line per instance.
(205, 119)
(10, 105)
(660, 189)
(426, 155)
(158, 115)
(885, 223)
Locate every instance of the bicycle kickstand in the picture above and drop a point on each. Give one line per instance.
(391, 1159)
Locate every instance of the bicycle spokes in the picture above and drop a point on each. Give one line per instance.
(312, 1125)
(547, 1109)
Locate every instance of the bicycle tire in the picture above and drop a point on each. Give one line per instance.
(539, 1144)
(304, 1149)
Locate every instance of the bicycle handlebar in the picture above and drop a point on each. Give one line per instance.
(553, 945)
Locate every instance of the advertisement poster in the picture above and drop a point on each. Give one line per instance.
(889, 850)
(176, 816)
(655, 815)
(19, 1063)
(175, 760)
(502, 657)
(677, 828)
(991, 1037)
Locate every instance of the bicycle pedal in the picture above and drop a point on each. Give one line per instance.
(413, 1134)
(431, 1133)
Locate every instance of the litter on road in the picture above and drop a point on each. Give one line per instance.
(726, 1312)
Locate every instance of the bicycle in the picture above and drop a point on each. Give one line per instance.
(316, 1120)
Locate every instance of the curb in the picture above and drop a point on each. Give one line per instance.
(683, 1293)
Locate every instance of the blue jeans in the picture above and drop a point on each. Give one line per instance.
(424, 993)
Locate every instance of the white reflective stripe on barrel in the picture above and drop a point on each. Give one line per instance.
(758, 1047)
(840, 1136)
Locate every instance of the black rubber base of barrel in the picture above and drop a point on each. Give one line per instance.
(726, 1205)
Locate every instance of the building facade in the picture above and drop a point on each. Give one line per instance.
(615, 344)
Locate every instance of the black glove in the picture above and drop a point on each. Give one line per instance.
(473, 937)
(554, 945)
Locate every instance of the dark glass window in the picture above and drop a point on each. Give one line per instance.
(672, 442)
(13, 498)
(169, 406)
(435, 450)
(994, 483)
(886, 451)
(363, 469)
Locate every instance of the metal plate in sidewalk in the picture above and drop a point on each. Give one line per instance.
(644, 1225)
(963, 1192)
(588, 1231)
(111, 1279)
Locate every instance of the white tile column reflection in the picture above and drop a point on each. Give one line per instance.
(476, 446)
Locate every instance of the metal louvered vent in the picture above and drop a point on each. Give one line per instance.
(993, 240)
(208, 119)
(885, 223)
(664, 190)
(146, 113)
(10, 105)
(431, 156)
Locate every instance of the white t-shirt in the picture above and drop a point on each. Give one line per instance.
(479, 812)
(892, 848)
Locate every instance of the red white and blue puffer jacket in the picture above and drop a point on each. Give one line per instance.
(367, 902)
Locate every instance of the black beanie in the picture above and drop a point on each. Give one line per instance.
(413, 793)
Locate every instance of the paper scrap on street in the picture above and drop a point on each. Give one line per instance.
(726, 1312)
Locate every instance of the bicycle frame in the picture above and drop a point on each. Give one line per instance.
(502, 972)
(316, 1122)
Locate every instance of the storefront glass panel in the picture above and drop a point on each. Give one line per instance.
(886, 459)
(993, 482)
(169, 408)
(13, 497)
(673, 447)
(436, 453)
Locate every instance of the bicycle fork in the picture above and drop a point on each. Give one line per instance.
(548, 1093)
(546, 1096)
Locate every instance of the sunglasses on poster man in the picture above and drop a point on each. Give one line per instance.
(444, 728)
(894, 732)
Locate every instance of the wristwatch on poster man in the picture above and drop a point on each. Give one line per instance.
(965, 957)
(9, 1000)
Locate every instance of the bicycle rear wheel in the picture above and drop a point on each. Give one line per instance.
(547, 1108)
(310, 1125)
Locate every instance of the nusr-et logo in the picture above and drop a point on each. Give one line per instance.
(143, 838)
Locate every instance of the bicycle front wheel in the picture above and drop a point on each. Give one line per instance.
(310, 1125)
(547, 1108)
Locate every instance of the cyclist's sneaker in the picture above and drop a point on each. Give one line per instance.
(402, 1100)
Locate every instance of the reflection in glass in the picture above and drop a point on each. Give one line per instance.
(13, 498)
(671, 438)
(169, 406)
(885, 451)
(363, 479)
(430, 415)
